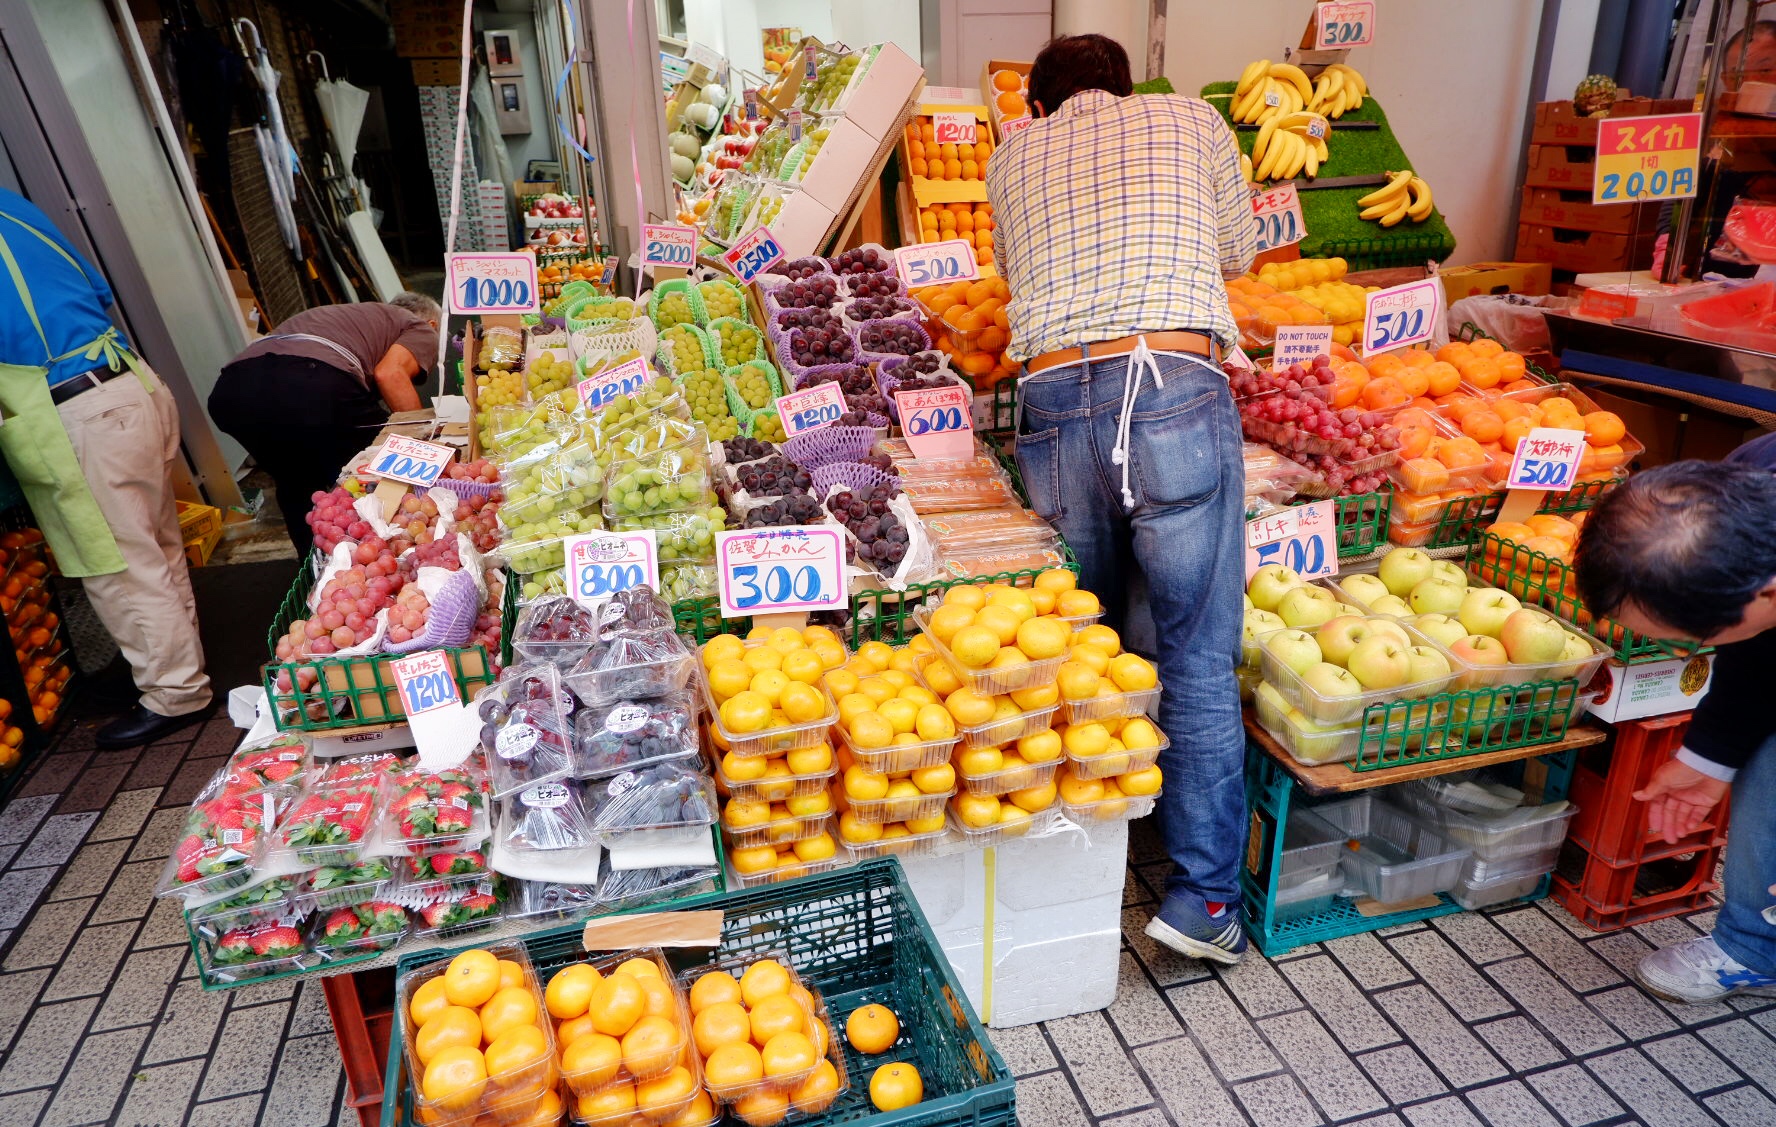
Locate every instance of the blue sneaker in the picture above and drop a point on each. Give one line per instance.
(1699, 971)
(1183, 923)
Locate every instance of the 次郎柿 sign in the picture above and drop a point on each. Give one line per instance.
(1303, 538)
(780, 570)
(1546, 458)
(409, 460)
(492, 283)
(1647, 158)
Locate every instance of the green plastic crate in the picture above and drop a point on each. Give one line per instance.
(1461, 522)
(857, 936)
(1361, 520)
(1466, 722)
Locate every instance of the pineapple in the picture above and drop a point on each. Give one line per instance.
(1595, 95)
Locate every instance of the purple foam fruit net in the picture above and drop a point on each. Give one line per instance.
(854, 476)
(828, 445)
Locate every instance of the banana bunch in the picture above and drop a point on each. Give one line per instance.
(1337, 91)
(1288, 147)
(1269, 90)
(1405, 196)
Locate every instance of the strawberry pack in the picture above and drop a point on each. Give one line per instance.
(329, 827)
(343, 886)
(216, 849)
(437, 811)
(253, 952)
(459, 910)
(371, 926)
(283, 761)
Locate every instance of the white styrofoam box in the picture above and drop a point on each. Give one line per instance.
(397, 738)
(1055, 906)
(844, 160)
(801, 225)
(877, 99)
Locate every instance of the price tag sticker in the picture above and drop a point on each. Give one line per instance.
(668, 244)
(1012, 126)
(750, 97)
(810, 63)
(1345, 25)
(492, 283)
(953, 128)
(948, 96)
(626, 378)
(1300, 344)
(810, 409)
(933, 264)
(599, 564)
(753, 255)
(444, 730)
(1303, 539)
(938, 422)
(1546, 458)
(793, 119)
(1647, 158)
(410, 461)
(767, 570)
(1278, 215)
(1273, 99)
(1401, 315)
(699, 55)
(609, 277)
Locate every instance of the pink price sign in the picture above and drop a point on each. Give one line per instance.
(1350, 24)
(778, 570)
(425, 682)
(1401, 315)
(937, 422)
(492, 283)
(626, 378)
(810, 409)
(753, 255)
(667, 244)
(410, 461)
(599, 564)
(1546, 458)
(1278, 215)
(1303, 539)
(1010, 127)
(953, 128)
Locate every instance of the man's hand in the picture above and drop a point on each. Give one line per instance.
(1678, 800)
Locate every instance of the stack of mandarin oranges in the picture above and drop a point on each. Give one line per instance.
(970, 222)
(480, 1046)
(1555, 537)
(968, 321)
(948, 161)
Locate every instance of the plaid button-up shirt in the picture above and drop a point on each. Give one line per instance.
(1116, 216)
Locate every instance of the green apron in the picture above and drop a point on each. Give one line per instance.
(37, 448)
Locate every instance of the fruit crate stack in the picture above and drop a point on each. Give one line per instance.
(35, 678)
(1558, 224)
(1615, 873)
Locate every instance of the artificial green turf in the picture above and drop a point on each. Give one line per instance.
(1331, 214)
(1161, 85)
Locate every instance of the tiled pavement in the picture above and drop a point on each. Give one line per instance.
(1516, 1018)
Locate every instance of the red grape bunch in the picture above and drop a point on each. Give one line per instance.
(480, 470)
(881, 538)
(861, 260)
(407, 618)
(333, 519)
(802, 268)
(479, 518)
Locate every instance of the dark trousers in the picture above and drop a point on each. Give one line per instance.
(301, 420)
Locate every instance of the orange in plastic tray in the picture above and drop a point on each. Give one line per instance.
(973, 564)
(989, 526)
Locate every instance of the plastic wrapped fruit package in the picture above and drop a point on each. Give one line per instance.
(665, 803)
(638, 654)
(663, 482)
(254, 952)
(374, 925)
(435, 811)
(331, 827)
(609, 739)
(630, 888)
(544, 817)
(525, 727)
(340, 886)
(219, 844)
(965, 491)
(280, 761)
(556, 629)
(360, 770)
(540, 899)
(682, 537)
(1004, 527)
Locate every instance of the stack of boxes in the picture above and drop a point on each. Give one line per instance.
(437, 113)
(490, 223)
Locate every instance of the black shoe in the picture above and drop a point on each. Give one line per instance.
(142, 726)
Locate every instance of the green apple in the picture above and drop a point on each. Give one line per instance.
(1448, 573)
(1439, 628)
(1403, 569)
(1437, 596)
(1307, 606)
(1532, 638)
(1385, 627)
(1480, 649)
(1257, 624)
(1330, 681)
(1483, 611)
(1338, 637)
(1269, 584)
(1294, 648)
(1363, 588)
(1380, 663)
(1427, 665)
(1391, 605)
(1574, 652)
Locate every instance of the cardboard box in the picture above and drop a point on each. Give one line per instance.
(436, 72)
(1573, 209)
(875, 102)
(801, 225)
(1583, 251)
(1654, 688)
(990, 93)
(1558, 123)
(1530, 278)
(844, 160)
(1561, 166)
(427, 27)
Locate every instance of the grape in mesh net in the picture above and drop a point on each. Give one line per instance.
(774, 476)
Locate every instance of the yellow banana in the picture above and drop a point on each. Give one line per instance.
(1420, 209)
(1376, 211)
(1313, 162)
(1262, 144)
(1250, 76)
(1354, 82)
(1246, 167)
(1264, 167)
(1298, 158)
(1398, 213)
(1294, 75)
(1285, 144)
(1391, 191)
(1320, 150)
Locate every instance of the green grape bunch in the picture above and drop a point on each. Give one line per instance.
(709, 403)
(627, 411)
(681, 536)
(754, 386)
(548, 375)
(674, 309)
(721, 300)
(641, 491)
(686, 347)
(738, 343)
(541, 583)
(682, 581)
(767, 426)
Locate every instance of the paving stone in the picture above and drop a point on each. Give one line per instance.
(1632, 1011)
(19, 818)
(1139, 1013)
(1646, 1091)
(89, 966)
(1703, 921)
(1691, 1063)
(156, 840)
(1568, 922)
(218, 736)
(1451, 976)
(1446, 1112)
(54, 774)
(1668, 932)
(193, 775)
(1024, 1048)
(240, 1062)
(1746, 1003)
(1134, 891)
(53, 1033)
(1105, 1076)
(226, 1113)
(1398, 929)
(1276, 1101)
(7, 852)
(1571, 962)
(19, 892)
(1401, 1074)
(1185, 1084)
(90, 871)
(1167, 967)
(23, 1107)
(126, 814)
(1574, 1096)
(1357, 1024)
(311, 1016)
(1440, 1036)
(1145, 842)
(159, 1096)
(1743, 1107)
(1224, 1033)
(1693, 1015)
(141, 988)
(1388, 1120)
(1768, 1022)
(1151, 1117)
(47, 936)
(1556, 1008)
(155, 767)
(1518, 1042)
(1753, 1053)
(96, 1079)
(17, 999)
(1046, 1098)
(187, 1025)
(257, 992)
(1510, 1104)
(56, 840)
(93, 788)
(1476, 936)
(1370, 963)
(307, 1079)
(131, 895)
(1258, 986)
(1622, 950)
(165, 926)
(1335, 1084)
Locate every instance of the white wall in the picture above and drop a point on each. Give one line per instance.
(1125, 21)
(732, 26)
(1571, 58)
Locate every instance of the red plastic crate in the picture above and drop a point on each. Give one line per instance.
(362, 1008)
(1608, 897)
(1611, 825)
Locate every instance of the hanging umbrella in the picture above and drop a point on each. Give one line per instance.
(342, 105)
(274, 142)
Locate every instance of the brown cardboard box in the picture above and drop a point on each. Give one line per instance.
(1583, 252)
(1552, 207)
(1557, 123)
(1571, 167)
(990, 95)
(427, 28)
(1529, 278)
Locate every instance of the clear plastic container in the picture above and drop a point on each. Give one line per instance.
(1594, 459)
(778, 831)
(1118, 809)
(899, 759)
(629, 734)
(332, 887)
(997, 733)
(526, 1079)
(1390, 857)
(213, 920)
(1470, 792)
(1338, 711)
(654, 667)
(263, 890)
(907, 845)
(1470, 676)
(908, 808)
(665, 804)
(991, 682)
(218, 846)
(556, 629)
(813, 1006)
(1484, 893)
(588, 1082)
(788, 872)
(633, 888)
(437, 811)
(1310, 843)
(281, 762)
(1113, 763)
(1110, 706)
(1310, 897)
(1520, 832)
(1007, 779)
(1040, 822)
(526, 735)
(458, 912)
(253, 952)
(1310, 746)
(346, 931)
(777, 787)
(766, 741)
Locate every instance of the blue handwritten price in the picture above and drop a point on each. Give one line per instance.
(493, 283)
(936, 420)
(1402, 315)
(777, 584)
(1546, 458)
(754, 254)
(410, 461)
(931, 264)
(625, 379)
(1346, 25)
(810, 409)
(425, 682)
(667, 244)
(760, 571)
(1278, 215)
(600, 564)
(1300, 538)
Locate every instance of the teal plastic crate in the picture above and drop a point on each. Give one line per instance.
(857, 936)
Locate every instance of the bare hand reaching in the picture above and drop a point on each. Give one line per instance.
(1678, 799)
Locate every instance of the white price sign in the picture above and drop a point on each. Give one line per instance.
(753, 255)
(626, 378)
(810, 409)
(953, 128)
(774, 570)
(938, 422)
(1401, 315)
(1278, 215)
(443, 729)
(667, 244)
(1546, 458)
(701, 56)
(1300, 344)
(1344, 25)
(492, 283)
(599, 564)
(1303, 539)
(410, 461)
(934, 264)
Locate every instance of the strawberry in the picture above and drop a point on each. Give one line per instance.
(188, 872)
(442, 914)
(234, 947)
(189, 848)
(479, 904)
(343, 926)
(277, 942)
(278, 772)
(382, 917)
(453, 820)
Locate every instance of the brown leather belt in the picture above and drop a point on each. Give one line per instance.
(1195, 344)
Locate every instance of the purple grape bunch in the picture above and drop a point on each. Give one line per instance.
(895, 336)
(862, 260)
(774, 476)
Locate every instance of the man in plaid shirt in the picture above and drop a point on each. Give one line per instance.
(1116, 219)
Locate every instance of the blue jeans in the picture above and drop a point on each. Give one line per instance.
(1740, 929)
(1185, 530)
